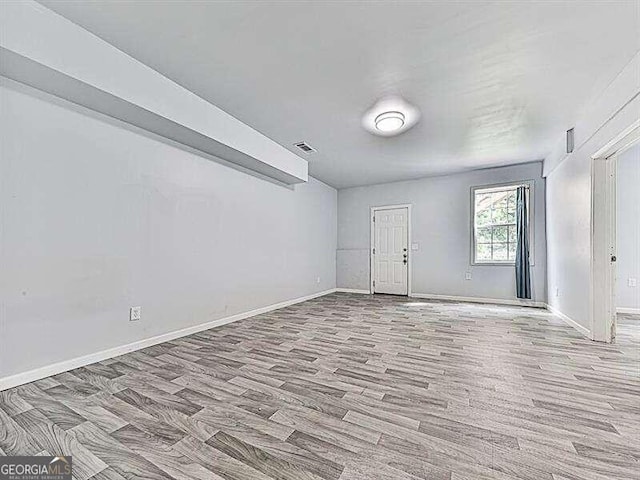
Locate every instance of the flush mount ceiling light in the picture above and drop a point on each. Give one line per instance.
(390, 116)
(390, 121)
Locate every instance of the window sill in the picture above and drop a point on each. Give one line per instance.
(497, 264)
(493, 264)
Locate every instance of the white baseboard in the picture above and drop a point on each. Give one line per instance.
(499, 301)
(353, 290)
(66, 365)
(629, 311)
(570, 321)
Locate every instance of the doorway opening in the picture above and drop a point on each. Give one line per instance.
(390, 258)
(627, 290)
(615, 237)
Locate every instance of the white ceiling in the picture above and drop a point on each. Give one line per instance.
(497, 82)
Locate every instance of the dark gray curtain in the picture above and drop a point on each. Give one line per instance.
(523, 274)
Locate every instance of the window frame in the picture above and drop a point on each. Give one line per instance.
(531, 220)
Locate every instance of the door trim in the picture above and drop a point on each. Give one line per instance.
(408, 206)
(602, 310)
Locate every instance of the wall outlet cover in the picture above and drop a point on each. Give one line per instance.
(467, 276)
(135, 313)
(415, 246)
(633, 282)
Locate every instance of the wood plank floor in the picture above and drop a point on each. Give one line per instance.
(348, 387)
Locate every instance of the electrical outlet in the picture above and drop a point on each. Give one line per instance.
(415, 247)
(467, 276)
(135, 313)
(633, 282)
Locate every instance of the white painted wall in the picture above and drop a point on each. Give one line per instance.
(441, 225)
(569, 193)
(95, 218)
(628, 228)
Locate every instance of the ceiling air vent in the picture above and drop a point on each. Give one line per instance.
(305, 147)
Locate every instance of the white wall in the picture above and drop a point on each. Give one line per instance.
(568, 246)
(628, 228)
(441, 225)
(569, 193)
(96, 218)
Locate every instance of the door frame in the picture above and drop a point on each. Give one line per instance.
(372, 240)
(603, 233)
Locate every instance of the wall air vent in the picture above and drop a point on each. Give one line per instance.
(570, 140)
(305, 147)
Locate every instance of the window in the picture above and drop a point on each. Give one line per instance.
(494, 224)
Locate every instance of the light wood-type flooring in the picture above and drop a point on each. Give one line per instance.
(348, 387)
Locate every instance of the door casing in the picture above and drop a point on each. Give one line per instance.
(408, 206)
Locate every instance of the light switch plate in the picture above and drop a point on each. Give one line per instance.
(415, 246)
(467, 276)
(633, 282)
(135, 313)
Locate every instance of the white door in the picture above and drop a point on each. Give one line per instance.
(390, 251)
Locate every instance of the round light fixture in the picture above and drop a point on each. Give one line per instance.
(389, 121)
(390, 116)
